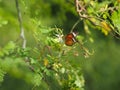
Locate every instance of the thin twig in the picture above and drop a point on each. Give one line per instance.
(76, 23)
(86, 53)
(22, 35)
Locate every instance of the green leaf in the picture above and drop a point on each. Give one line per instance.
(10, 45)
(37, 79)
(32, 61)
(2, 73)
(7, 49)
(62, 70)
(116, 19)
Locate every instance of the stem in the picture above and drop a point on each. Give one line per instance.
(75, 25)
(86, 53)
(22, 35)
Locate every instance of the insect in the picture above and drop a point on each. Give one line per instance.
(70, 39)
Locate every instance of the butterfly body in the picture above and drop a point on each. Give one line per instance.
(70, 39)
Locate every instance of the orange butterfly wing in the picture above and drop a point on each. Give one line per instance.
(69, 39)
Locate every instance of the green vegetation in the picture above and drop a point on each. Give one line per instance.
(33, 54)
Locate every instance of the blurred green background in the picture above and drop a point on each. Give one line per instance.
(101, 70)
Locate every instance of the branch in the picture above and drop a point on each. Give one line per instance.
(76, 23)
(22, 35)
(80, 8)
(86, 53)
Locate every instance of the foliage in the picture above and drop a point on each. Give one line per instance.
(47, 62)
(115, 19)
(44, 60)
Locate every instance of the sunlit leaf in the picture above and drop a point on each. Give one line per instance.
(105, 28)
(116, 19)
(37, 79)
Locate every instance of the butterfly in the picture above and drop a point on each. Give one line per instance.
(70, 39)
